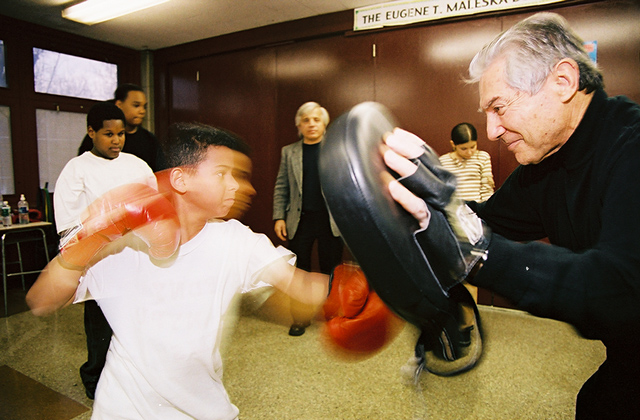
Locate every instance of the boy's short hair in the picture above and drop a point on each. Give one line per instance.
(123, 90)
(101, 112)
(187, 143)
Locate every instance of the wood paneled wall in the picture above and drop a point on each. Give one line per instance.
(253, 82)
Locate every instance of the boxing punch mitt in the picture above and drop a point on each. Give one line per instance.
(455, 238)
(135, 208)
(386, 240)
(358, 322)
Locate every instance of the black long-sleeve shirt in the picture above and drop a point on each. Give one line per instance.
(142, 144)
(586, 199)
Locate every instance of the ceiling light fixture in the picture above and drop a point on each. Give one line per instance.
(91, 12)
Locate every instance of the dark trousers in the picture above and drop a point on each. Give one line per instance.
(98, 338)
(613, 392)
(315, 226)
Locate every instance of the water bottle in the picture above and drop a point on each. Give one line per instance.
(6, 214)
(23, 210)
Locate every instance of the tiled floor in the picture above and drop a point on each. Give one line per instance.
(531, 368)
(39, 360)
(27, 399)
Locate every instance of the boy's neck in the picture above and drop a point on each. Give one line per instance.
(191, 223)
(131, 129)
(189, 231)
(93, 152)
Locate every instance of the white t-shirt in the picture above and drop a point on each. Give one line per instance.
(167, 318)
(86, 177)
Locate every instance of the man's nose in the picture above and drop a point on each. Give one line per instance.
(494, 127)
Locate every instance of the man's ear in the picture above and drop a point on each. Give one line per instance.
(567, 78)
(91, 132)
(177, 178)
(118, 103)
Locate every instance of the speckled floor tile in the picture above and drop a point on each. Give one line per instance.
(531, 368)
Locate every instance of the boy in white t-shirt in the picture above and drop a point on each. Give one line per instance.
(93, 173)
(84, 179)
(166, 289)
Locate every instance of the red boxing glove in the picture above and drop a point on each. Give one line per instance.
(132, 207)
(358, 322)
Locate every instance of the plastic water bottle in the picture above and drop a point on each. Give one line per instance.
(23, 210)
(6, 214)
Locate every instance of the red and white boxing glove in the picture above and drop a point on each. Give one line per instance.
(358, 322)
(132, 207)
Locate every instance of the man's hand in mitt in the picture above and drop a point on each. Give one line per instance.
(453, 239)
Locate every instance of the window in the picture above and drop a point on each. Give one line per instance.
(3, 73)
(59, 136)
(68, 75)
(6, 155)
(23, 168)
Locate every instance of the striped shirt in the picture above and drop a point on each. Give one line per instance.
(475, 180)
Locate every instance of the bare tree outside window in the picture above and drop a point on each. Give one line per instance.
(6, 155)
(59, 135)
(3, 72)
(68, 75)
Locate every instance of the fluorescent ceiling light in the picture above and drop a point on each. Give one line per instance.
(91, 12)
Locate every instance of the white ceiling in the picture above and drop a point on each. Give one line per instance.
(177, 21)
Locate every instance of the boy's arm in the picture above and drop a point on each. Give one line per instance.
(69, 199)
(54, 289)
(305, 287)
(358, 322)
(130, 208)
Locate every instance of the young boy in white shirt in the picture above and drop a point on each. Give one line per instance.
(84, 179)
(88, 176)
(166, 289)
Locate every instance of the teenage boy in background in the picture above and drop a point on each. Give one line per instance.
(132, 100)
(83, 179)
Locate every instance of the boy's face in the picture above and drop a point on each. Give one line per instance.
(109, 140)
(212, 187)
(242, 170)
(134, 107)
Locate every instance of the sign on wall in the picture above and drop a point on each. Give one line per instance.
(407, 12)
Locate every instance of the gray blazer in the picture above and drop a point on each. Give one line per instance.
(287, 194)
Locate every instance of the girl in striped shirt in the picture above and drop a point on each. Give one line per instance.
(471, 166)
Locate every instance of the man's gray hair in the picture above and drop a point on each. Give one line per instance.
(531, 49)
(307, 108)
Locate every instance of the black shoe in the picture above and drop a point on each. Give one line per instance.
(296, 330)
